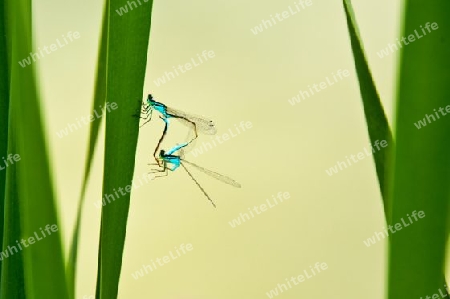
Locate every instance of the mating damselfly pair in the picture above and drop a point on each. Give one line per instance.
(173, 158)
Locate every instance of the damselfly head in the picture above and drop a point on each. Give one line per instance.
(150, 100)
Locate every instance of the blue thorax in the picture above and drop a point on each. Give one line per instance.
(170, 158)
(160, 107)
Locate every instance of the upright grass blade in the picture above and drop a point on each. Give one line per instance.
(127, 46)
(99, 100)
(29, 181)
(12, 280)
(12, 283)
(421, 172)
(4, 111)
(377, 123)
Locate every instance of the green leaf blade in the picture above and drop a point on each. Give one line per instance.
(422, 163)
(128, 37)
(31, 199)
(4, 111)
(98, 101)
(377, 123)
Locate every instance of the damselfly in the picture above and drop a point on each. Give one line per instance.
(175, 161)
(199, 124)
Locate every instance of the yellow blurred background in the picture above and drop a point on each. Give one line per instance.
(288, 148)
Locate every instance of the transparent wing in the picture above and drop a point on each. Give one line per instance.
(215, 175)
(204, 125)
(181, 153)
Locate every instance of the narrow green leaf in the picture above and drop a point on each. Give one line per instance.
(421, 173)
(12, 283)
(127, 46)
(377, 124)
(99, 100)
(4, 111)
(29, 181)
